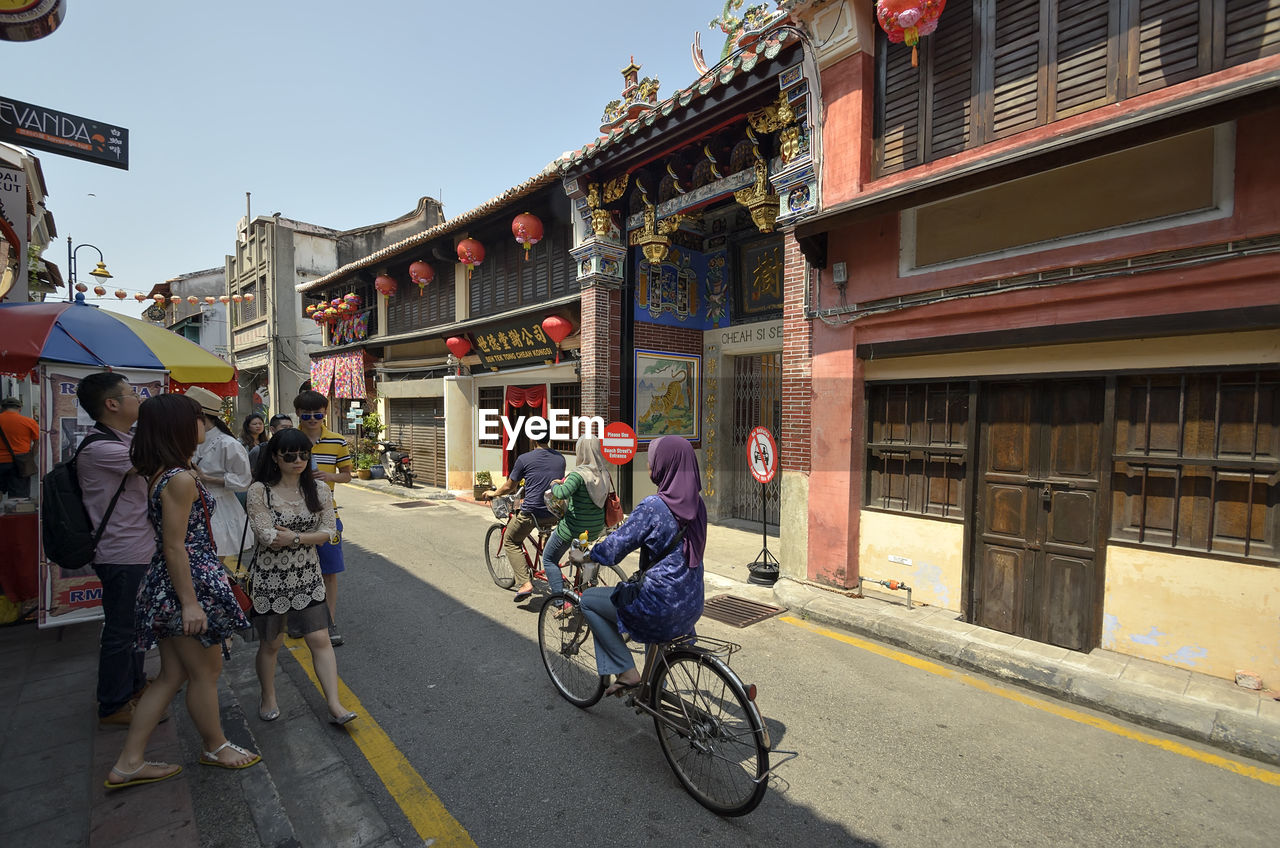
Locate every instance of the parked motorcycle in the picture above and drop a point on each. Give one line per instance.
(397, 464)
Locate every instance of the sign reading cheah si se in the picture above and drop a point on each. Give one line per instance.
(41, 128)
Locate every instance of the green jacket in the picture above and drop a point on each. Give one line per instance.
(581, 513)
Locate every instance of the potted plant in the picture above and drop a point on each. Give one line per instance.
(484, 482)
(367, 451)
(364, 466)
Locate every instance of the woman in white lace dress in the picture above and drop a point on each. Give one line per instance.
(222, 464)
(290, 515)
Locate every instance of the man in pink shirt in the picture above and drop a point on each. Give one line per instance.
(128, 541)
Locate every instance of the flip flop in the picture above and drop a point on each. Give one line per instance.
(346, 718)
(523, 595)
(139, 781)
(210, 758)
(618, 689)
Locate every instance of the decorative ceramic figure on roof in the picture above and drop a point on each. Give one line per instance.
(639, 96)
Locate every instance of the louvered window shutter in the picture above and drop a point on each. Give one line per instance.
(1083, 64)
(951, 84)
(1251, 30)
(1165, 43)
(1017, 61)
(900, 109)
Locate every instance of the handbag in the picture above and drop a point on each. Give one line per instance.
(237, 590)
(613, 515)
(26, 462)
(627, 591)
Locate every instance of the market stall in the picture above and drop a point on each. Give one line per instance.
(56, 344)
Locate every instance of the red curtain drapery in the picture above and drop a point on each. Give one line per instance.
(518, 396)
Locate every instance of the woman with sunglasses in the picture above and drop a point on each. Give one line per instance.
(290, 515)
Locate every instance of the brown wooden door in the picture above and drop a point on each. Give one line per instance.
(1035, 564)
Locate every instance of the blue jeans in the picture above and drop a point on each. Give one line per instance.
(12, 483)
(612, 656)
(120, 673)
(551, 554)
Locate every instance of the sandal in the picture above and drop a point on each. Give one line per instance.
(130, 780)
(210, 758)
(618, 689)
(342, 719)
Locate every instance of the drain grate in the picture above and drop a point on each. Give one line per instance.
(738, 612)
(412, 504)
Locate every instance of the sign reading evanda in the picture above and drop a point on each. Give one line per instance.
(559, 426)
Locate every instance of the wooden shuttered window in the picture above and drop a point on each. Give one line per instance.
(995, 68)
(410, 310)
(505, 281)
(917, 454)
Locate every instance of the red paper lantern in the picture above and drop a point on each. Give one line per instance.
(99, 290)
(248, 298)
(235, 298)
(385, 285)
(211, 300)
(558, 329)
(459, 346)
(121, 294)
(175, 299)
(907, 20)
(422, 274)
(223, 299)
(193, 300)
(82, 288)
(140, 297)
(528, 231)
(470, 253)
(160, 299)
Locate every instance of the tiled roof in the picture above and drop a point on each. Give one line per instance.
(543, 178)
(742, 61)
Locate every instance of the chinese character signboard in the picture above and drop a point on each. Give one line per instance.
(519, 343)
(58, 132)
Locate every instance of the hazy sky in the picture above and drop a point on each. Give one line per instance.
(336, 113)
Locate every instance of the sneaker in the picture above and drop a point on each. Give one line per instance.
(334, 639)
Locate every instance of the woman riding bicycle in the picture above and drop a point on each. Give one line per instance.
(583, 491)
(671, 529)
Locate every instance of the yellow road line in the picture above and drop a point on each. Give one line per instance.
(433, 823)
(1253, 772)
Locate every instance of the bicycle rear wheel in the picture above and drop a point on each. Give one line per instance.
(569, 651)
(495, 556)
(710, 732)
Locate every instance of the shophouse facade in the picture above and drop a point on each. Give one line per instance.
(399, 362)
(270, 339)
(1044, 302)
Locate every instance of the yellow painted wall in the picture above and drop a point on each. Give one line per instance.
(935, 550)
(1212, 616)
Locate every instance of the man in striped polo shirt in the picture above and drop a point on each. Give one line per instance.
(331, 461)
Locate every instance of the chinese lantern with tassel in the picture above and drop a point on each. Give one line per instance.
(140, 297)
(160, 299)
(121, 294)
(385, 285)
(82, 288)
(222, 298)
(422, 274)
(528, 231)
(99, 290)
(175, 299)
(235, 298)
(248, 298)
(907, 20)
(470, 253)
(193, 300)
(459, 346)
(558, 329)
(210, 299)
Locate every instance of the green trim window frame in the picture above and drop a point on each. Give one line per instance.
(1197, 463)
(917, 448)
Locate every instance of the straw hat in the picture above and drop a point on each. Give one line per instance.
(209, 402)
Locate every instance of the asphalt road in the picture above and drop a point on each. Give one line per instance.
(890, 754)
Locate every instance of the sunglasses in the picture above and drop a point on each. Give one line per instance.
(295, 456)
(311, 416)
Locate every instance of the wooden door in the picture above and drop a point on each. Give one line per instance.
(417, 425)
(1035, 564)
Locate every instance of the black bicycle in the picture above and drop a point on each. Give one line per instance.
(495, 552)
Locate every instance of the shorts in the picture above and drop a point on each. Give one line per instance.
(331, 554)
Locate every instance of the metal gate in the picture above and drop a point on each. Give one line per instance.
(757, 402)
(417, 424)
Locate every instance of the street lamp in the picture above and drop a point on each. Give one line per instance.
(101, 272)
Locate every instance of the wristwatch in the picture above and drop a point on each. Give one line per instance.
(297, 540)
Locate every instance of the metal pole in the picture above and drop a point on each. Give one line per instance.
(71, 270)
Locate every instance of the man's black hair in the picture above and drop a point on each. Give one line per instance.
(94, 390)
(310, 402)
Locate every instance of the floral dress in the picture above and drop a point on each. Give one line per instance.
(288, 578)
(158, 614)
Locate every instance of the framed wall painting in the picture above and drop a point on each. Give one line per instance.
(668, 394)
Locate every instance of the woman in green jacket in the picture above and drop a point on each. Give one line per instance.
(584, 491)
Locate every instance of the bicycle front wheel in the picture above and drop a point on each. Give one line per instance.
(495, 556)
(569, 651)
(710, 732)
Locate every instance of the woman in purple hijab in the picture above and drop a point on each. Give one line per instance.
(670, 529)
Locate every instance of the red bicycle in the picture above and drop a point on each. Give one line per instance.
(495, 552)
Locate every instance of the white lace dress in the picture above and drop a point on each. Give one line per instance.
(289, 578)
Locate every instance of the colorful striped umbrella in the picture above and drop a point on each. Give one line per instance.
(86, 335)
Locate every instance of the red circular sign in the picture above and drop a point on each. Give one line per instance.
(619, 443)
(762, 454)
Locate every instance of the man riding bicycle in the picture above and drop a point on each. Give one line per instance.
(537, 467)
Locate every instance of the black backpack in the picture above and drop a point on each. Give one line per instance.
(70, 538)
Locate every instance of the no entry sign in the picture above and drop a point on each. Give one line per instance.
(619, 443)
(762, 454)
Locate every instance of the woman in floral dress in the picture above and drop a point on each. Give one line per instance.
(184, 604)
(291, 515)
